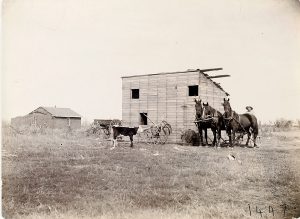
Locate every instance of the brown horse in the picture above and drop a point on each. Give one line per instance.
(239, 123)
(216, 120)
(202, 124)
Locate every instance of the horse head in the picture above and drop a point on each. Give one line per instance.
(227, 108)
(199, 109)
(208, 111)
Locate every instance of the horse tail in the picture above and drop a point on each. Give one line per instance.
(253, 121)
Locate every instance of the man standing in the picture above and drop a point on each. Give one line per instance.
(249, 109)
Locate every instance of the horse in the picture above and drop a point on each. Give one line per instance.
(201, 123)
(243, 123)
(216, 121)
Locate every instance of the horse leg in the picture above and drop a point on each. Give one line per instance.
(254, 139)
(215, 133)
(131, 140)
(248, 137)
(233, 137)
(205, 131)
(229, 136)
(200, 135)
(201, 139)
(218, 137)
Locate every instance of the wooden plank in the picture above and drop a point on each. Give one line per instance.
(219, 76)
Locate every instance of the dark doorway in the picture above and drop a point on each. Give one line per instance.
(143, 120)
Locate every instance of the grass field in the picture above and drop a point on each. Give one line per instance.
(58, 175)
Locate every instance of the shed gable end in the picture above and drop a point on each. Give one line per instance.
(40, 110)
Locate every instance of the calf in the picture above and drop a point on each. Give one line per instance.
(126, 131)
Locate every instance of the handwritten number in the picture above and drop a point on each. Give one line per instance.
(249, 209)
(259, 211)
(284, 208)
(271, 210)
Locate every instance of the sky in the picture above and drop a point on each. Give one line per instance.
(72, 53)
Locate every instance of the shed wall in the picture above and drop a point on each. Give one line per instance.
(22, 121)
(65, 122)
(42, 120)
(33, 119)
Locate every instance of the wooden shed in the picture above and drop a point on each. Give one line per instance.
(169, 96)
(50, 117)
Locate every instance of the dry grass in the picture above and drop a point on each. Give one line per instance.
(59, 175)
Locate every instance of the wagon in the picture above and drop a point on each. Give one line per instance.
(103, 126)
(156, 133)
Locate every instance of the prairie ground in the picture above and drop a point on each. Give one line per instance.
(59, 175)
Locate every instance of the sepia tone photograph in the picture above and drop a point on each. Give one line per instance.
(150, 109)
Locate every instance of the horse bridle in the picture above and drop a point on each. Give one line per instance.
(201, 119)
(228, 118)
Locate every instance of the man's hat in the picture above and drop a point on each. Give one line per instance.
(249, 108)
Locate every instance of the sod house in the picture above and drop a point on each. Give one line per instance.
(51, 117)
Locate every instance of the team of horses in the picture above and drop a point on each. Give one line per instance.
(233, 123)
(209, 118)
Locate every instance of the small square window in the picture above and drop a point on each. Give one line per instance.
(135, 93)
(193, 90)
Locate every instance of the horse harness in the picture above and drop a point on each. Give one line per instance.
(212, 118)
(233, 118)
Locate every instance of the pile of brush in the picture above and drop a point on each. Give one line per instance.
(190, 137)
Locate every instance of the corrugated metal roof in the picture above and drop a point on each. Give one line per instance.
(61, 112)
(190, 70)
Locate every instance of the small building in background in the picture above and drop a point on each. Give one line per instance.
(169, 96)
(51, 117)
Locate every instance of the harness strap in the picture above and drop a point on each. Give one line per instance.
(232, 118)
(239, 123)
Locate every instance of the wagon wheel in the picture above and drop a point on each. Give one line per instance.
(153, 135)
(145, 136)
(141, 136)
(164, 123)
(165, 131)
